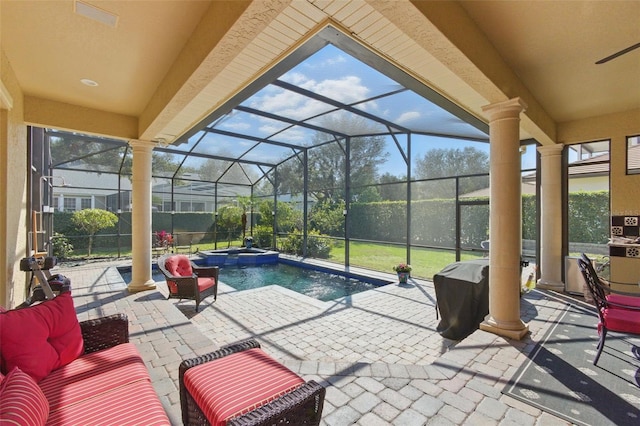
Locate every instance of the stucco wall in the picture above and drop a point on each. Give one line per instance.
(625, 189)
(13, 197)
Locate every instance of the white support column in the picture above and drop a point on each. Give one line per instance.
(505, 227)
(141, 217)
(551, 218)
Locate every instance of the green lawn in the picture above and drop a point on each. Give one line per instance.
(382, 257)
(378, 257)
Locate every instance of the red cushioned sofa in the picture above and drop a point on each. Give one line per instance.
(57, 371)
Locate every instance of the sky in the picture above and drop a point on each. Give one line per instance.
(336, 75)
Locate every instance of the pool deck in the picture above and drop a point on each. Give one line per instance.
(377, 352)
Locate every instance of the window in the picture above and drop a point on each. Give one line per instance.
(633, 155)
(588, 198)
(69, 204)
(85, 203)
(197, 207)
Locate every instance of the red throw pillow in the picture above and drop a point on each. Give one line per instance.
(21, 400)
(40, 338)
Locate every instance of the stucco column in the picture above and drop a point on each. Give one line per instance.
(141, 217)
(505, 227)
(551, 218)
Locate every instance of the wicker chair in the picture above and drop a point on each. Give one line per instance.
(222, 388)
(187, 280)
(616, 312)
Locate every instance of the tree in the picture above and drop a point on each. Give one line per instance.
(230, 220)
(327, 163)
(93, 220)
(229, 171)
(393, 188)
(94, 155)
(441, 163)
(288, 218)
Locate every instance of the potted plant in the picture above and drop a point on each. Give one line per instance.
(403, 270)
(164, 240)
(248, 242)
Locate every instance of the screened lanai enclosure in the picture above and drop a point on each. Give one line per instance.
(334, 153)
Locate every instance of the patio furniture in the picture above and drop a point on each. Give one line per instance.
(462, 293)
(182, 244)
(241, 385)
(57, 370)
(186, 280)
(616, 312)
(613, 296)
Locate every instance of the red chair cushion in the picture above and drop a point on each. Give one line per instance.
(94, 374)
(205, 282)
(21, 400)
(238, 383)
(624, 300)
(133, 404)
(622, 320)
(40, 338)
(179, 265)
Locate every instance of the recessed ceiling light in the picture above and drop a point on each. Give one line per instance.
(95, 13)
(88, 82)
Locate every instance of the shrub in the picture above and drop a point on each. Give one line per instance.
(263, 236)
(317, 245)
(62, 248)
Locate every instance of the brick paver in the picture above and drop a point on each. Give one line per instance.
(378, 352)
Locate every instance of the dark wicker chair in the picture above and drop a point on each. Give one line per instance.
(300, 406)
(186, 280)
(616, 312)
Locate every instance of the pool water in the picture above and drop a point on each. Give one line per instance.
(320, 285)
(310, 282)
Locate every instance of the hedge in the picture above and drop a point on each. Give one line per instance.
(432, 222)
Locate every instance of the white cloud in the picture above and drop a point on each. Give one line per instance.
(292, 135)
(334, 61)
(327, 63)
(238, 125)
(407, 116)
(347, 90)
(294, 78)
(269, 129)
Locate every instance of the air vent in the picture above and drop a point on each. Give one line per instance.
(95, 13)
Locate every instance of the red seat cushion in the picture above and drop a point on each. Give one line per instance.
(205, 282)
(622, 320)
(133, 404)
(21, 400)
(238, 383)
(624, 300)
(40, 338)
(94, 374)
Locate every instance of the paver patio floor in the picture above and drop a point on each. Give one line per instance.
(377, 352)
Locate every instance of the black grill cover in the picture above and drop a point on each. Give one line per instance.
(462, 293)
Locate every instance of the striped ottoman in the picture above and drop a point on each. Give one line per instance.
(241, 384)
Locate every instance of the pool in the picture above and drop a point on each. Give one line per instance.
(324, 285)
(314, 283)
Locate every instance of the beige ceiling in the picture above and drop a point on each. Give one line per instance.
(168, 64)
